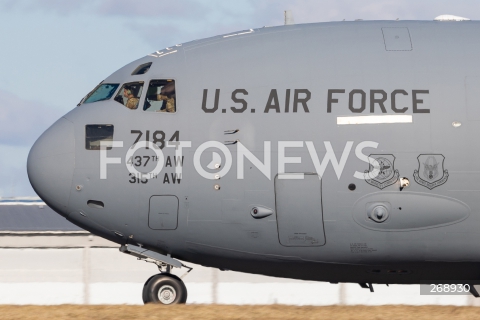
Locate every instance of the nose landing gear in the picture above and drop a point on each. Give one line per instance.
(163, 288)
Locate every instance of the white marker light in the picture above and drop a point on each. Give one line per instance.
(239, 34)
(404, 182)
(456, 124)
(375, 119)
(449, 17)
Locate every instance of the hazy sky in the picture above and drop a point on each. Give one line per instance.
(55, 51)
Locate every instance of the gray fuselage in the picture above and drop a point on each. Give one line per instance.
(293, 83)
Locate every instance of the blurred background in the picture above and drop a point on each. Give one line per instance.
(52, 53)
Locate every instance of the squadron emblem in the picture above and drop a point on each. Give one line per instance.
(430, 173)
(381, 173)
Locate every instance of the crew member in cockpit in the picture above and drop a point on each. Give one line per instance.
(167, 94)
(132, 101)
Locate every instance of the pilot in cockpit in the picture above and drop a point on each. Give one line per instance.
(162, 92)
(131, 100)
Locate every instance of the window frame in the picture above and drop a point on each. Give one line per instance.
(98, 124)
(140, 98)
(95, 89)
(144, 95)
(134, 72)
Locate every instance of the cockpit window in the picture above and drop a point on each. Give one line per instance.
(161, 96)
(96, 133)
(142, 69)
(103, 92)
(130, 94)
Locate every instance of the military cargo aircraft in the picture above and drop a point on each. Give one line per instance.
(338, 152)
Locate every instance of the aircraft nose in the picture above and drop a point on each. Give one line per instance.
(51, 163)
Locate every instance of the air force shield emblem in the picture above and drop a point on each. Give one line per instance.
(430, 173)
(382, 172)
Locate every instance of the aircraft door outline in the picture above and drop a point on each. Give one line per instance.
(299, 209)
(163, 212)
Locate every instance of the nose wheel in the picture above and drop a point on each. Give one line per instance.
(164, 288)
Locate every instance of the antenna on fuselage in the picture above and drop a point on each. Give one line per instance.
(288, 17)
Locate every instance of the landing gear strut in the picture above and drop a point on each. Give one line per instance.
(163, 288)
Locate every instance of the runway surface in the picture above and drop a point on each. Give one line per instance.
(189, 312)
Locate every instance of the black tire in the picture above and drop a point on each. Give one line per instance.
(164, 288)
(144, 296)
